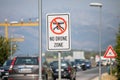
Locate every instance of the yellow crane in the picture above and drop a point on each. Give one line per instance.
(7, 24)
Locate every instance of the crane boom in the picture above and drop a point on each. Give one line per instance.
(19, 24)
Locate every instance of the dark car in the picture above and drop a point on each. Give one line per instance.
(98, 63)
(0, 64)
(1, 70)
(4, 69)
(80, 64)
(74, 65)
(67, 71)
(88, 64)
(27, 68)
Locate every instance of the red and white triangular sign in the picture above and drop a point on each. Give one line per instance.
(110, 53)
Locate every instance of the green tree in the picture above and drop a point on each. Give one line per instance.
(4, 49)
(117, 49)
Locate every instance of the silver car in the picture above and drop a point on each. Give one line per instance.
(27, 68)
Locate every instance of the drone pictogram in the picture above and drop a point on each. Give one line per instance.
(58, 25)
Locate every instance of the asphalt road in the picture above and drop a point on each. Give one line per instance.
(89, 74)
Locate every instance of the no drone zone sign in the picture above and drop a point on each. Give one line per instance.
(58, 32)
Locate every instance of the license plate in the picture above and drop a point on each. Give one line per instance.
(25, 70)
(6, 73)
(58, 69)
(1, 70)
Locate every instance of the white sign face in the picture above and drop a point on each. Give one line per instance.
(58, 32)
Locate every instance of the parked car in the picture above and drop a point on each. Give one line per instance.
(66, 69)
(27, 68)
(4, 69)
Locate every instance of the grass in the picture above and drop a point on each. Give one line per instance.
(108, 77)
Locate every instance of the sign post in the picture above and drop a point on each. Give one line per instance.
(110, 53)
(59, 64)
(58, 35)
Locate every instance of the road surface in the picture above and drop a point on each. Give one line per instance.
(90, 73)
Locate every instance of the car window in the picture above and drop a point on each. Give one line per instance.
(87, 61)
(26, 61)
(55, 63)
(7, 63)
(63, 64)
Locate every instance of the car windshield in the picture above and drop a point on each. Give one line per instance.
(79, 61)
(7, 63)
(72, 63)
(26, 61)
(87, 62)
(63, 64)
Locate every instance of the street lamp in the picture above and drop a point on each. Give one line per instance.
(100, 24)
(96, 4)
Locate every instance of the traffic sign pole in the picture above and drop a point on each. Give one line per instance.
(110, 67)
(59, 65)
(40, 37)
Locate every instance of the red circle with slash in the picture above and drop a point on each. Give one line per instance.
(61, 29)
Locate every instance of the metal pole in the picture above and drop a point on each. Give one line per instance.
(110, 67)
(6, 29)
(100, 25)
(40, 37)
(59, 65)
(11, 48)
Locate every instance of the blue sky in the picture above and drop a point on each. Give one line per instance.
(84, 22)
